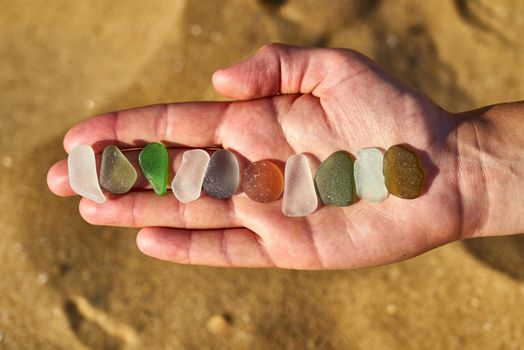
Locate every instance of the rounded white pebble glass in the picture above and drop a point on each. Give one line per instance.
(369, 178)
(187, 184)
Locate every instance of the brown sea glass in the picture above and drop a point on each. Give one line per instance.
(403, 172)
(262, 181)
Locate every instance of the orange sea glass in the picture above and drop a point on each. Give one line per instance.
(262, 181)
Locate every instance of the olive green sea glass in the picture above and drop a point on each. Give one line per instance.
(153, 161)
(117, 174)
(403, 172)
(334, 180)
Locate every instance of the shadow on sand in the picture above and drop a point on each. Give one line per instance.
(505, 254)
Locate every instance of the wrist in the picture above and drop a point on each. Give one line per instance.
(490, 170)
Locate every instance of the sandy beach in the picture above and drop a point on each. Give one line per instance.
(69, 285)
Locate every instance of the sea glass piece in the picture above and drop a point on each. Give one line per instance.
(153, 161)
(117, 174)
(222, 175)
(334, 180)
(369, 176)
(188, 180)
(300, 197)
(262, 181)
(83, 179)
(403, 172)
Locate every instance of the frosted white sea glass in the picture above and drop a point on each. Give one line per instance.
(188, 180)
(83, 177)
(300, 197)
(369, 178)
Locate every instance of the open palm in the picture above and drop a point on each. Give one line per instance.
(288, 100)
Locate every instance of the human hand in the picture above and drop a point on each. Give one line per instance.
(291, 100)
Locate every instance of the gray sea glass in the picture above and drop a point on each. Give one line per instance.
(369, 178)
(300, 197)
(117, 174)
(222, 175)
(188, 180)
(83, 179)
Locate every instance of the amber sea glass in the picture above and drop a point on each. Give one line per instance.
(262, 181)
(403, 172)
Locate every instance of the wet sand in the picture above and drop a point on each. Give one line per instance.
(68, 285)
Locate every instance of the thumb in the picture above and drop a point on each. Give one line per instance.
(278, 68)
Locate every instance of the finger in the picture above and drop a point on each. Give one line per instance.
(143, 209)
(285, 69)
(231, 247)
(188, 124)
(58, 179)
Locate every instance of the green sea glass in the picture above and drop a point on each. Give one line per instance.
(403, 172)
(334, 180)
(117, 174)
(153, 161)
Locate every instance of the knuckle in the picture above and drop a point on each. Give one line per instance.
(349, 59)
(87, 211)
(273, 48)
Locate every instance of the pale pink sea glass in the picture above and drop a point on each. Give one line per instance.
(300, 197)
